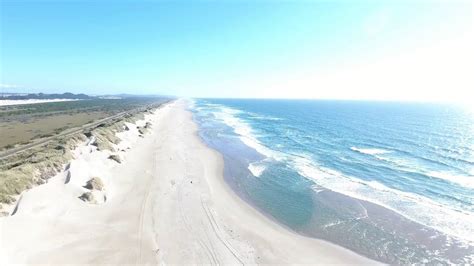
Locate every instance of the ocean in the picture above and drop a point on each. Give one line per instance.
(392, 181)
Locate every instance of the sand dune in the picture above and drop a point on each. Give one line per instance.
(33, 101)
(166, 203)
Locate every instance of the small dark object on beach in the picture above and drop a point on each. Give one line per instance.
(94, 184)
(59, 147)
(115, 158)
(88, 197)
(68, 177)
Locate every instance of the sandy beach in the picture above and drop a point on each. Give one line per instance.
(165, 203)
(32, 101)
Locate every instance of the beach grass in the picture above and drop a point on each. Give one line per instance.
(32, 167)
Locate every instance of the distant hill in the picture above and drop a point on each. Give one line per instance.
(126, 95)
(42, 96)
(68, 95)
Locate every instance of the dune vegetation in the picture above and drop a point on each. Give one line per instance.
(34, 166)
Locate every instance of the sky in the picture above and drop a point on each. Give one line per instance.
(384, 50)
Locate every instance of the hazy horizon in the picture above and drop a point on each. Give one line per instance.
(357, 50)
(236, 98)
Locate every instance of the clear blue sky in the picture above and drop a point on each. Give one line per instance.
(311, 49)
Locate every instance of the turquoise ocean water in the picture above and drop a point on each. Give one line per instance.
(392, 181)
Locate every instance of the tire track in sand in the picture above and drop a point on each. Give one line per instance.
(143, 207)
(188, 225)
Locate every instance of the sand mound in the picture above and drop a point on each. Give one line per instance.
(115, 158)
(88, 197)
(93, 197)
(95, 184)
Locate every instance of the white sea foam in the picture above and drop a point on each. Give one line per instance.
(406, 165)
(370, 151)
(411, 166)
(243, 130)
(465, 181)
(229, 117)
(412, 206)
(191, 104)
(257, 168)
(418, 208)
(263, 117)
(267, 118)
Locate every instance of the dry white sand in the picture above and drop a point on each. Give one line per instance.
(166, 203)
(32, 101)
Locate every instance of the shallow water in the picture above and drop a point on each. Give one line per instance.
(392, 181)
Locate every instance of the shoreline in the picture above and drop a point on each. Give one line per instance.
(385, 217)
(167, 202)
(313, 198)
